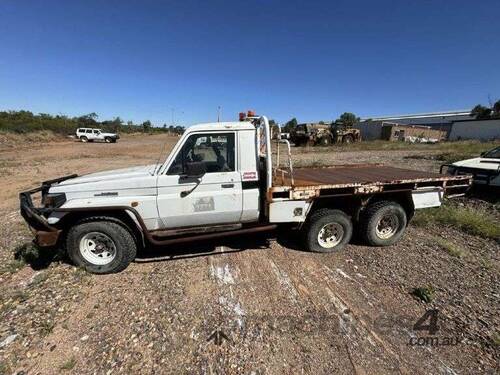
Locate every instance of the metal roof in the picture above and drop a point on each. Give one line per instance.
(421, 115)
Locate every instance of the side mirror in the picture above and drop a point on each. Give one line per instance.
(195, 169)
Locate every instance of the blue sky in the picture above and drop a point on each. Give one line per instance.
(308, 59)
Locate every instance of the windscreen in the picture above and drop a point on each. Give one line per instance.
(494, 154)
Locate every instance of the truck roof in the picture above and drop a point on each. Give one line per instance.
(233, 125)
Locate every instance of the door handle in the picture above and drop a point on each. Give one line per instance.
(227, 186)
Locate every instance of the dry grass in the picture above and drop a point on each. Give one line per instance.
(69, 364)
(467, 219)
(10, 140)
(450, 247)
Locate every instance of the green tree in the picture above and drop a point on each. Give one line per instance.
(481, 112)
(146, 126)
(496, 109)
(290, 125)
(88, 120)
(347, 119)
(116, 124)
(275, 129)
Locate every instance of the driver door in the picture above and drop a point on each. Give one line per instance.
(97, 135)
(212, 196)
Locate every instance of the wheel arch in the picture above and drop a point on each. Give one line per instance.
(403, 198)
(118, 216)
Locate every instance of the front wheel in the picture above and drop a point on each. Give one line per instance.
(328, 231)
(325, 141)
(383, 223)
(100, 246)
(107, 140)
(348, 139)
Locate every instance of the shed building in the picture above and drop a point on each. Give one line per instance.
(475, 129)
(396, 132)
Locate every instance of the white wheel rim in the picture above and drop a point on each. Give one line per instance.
(97, 248)
(387, 226)
(330, 235)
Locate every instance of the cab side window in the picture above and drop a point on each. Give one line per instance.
(88, 131)
(212, 152)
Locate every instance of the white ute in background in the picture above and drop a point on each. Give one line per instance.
(91, 135)
(484, 169)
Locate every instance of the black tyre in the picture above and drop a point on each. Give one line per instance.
(383, 223)
(84, 139)
(325, 141)
(327, 231)
(108, 140)
(101, 246)
(348, 139)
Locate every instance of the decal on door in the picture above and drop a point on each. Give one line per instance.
(204, 204)
(249, 176)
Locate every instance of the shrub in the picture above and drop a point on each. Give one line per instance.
(425, 294)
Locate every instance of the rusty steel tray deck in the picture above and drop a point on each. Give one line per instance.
(362, 179)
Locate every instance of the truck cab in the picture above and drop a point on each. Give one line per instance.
(211, 177)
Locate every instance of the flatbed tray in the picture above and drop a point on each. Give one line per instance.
(365, 178)
(357, 174)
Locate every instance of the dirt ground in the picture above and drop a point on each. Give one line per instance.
(250, 305)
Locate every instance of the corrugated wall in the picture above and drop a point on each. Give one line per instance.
(479, 129)
(370, 130)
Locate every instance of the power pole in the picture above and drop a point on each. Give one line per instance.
(219, 113)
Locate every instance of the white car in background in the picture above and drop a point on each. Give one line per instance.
(91, 135)
(485, 169)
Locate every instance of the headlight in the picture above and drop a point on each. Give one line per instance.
(54, 200)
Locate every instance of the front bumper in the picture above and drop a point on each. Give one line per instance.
(36, 217)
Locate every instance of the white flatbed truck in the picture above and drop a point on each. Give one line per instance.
(220, 180)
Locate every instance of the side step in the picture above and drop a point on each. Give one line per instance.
(199, 229)
(208, 236)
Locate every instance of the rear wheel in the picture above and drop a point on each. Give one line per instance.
(101, 246)
(328, 231)
(383, 223)
(348, 139)
(84, 139)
